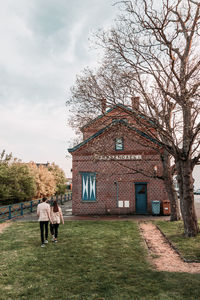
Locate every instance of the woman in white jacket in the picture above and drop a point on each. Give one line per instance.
(56, 217)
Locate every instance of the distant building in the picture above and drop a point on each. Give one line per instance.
(69, 183)
(114, 168)
(42, 164)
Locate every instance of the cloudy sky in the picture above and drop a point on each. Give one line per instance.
(44, 44)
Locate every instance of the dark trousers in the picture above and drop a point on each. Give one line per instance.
(44, 226)
(54, 229)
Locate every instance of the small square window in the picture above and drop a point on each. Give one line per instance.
(119, 144)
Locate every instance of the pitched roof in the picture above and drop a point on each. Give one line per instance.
(109, 126)
(107, 112)
(119, 105)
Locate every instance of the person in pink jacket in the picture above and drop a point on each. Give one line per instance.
(56, 216)
(43, 212)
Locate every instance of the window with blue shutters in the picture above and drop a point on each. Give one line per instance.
(88, 186)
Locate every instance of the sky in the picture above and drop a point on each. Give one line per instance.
(44, 45)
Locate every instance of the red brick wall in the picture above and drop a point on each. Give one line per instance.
(98, 124)
(108, 172)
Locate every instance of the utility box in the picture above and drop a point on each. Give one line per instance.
(155, 207)
(166, 208)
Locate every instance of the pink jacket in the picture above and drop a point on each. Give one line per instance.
(56, 216)
(43, 211)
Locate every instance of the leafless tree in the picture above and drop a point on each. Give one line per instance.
(158, 42)
(94, 85)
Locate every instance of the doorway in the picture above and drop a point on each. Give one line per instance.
(141, 198)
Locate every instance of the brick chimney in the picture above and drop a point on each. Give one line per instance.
(135, 103)
(103, 106)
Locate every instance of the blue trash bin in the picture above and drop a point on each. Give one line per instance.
(155, 207)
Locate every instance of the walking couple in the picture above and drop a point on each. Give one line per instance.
(45, 214)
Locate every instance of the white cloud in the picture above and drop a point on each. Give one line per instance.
(32, 135)
(44, 44)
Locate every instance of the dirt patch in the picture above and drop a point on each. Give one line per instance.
(162, 255)
(4, 225)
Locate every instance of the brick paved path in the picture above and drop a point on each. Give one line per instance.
(67, 213)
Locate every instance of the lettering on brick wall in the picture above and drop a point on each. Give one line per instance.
(118, 157)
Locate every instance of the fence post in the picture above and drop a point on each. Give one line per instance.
(31, 206)
(21, 209)
(10, 210)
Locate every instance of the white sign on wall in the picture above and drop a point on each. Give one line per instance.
(120, 203)
(123, 203)
(126, 203)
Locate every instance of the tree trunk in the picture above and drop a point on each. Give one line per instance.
(169, 185)
(184, 170)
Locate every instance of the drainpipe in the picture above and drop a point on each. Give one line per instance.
(117, 192)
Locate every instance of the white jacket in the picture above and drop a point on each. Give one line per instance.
(56, 216)
(43, 211)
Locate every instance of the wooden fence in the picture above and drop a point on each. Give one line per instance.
(19, 209)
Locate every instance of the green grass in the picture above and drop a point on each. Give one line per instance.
(94, 260)
(189, 248)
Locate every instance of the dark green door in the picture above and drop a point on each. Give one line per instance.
(141, 198)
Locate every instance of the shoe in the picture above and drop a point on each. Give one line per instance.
(52, 239)
(46, 242)
(55, 241)
(43, 245)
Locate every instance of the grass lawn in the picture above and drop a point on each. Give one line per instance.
(93, 260)
(189, 248)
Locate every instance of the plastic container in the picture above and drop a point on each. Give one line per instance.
(155, 207)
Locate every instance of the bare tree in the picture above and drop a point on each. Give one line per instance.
(94, 85)
(155, 44)
(157, 41)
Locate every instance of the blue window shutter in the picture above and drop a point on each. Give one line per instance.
(85, 186)
(88, 186)
(92, 187)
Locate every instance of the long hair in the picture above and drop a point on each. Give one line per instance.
(55, 206)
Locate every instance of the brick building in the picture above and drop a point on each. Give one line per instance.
(113, 169)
